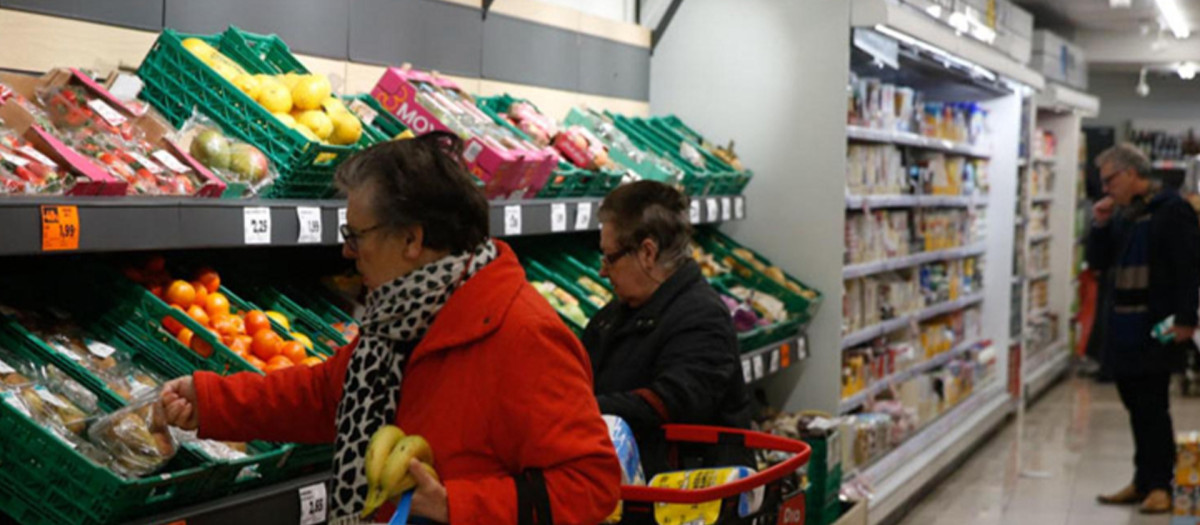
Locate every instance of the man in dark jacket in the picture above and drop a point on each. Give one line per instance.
(664, 351)
(1147, 239)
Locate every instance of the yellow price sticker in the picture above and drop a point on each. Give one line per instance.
(60, 228)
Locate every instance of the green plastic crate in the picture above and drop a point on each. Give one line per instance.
(177, 83)
(733, 181)
(598, 124)
(379, 120)
(303, 320)
(238, 304)
(535, 271)
(317, 302)
(696, 182)
(758, 336)
(722, 248)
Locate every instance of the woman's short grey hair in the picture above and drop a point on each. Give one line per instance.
(650, 210)
(1126, 156)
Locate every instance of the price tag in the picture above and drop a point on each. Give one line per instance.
(583, 216)
(512, 219)
(170, 161)
(694, 212)
(774, 364)
(747, 372)
(34, 154)
(802, 348)
(257, 223)
(366, 114)
(146, 163)
(714, 211)
(758, 366)
(18, 161)
(48, 397)
(310, 224)
(739, 207)
(110, 115)
(341, 222)
(5, 369)
(100, 349)
(726, 209)
(60, 228)
(313, 507)
(558, 217)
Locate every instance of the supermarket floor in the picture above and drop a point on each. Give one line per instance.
(1078, 435)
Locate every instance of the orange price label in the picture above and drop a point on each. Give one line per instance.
(60, 228)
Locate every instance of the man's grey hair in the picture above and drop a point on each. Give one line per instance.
(1126, 156)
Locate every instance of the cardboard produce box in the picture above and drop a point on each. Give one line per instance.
(1058, 59)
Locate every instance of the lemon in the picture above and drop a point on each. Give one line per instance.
(279, 318)
(200, 48)
(227, 71)
(311, 91)
(308, 134)
(288, 79)
(303, 339)
(318, 122)
(333, 105)
(346, 128)
(248, 84)
(275, 98)
(286, 119)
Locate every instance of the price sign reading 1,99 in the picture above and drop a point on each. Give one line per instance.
(60, 228)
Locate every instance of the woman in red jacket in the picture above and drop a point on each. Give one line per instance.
(456, 346)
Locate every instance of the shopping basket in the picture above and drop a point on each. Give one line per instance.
(783, 492)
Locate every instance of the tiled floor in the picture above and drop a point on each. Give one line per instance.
(1077, 445)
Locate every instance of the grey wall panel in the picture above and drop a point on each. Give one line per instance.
(314, 27)
(524, 52)
(139, 14)
(429, 34)
(613, 69)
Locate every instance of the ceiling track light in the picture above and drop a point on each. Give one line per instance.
(1173, 16)
(1142, 89)
(1186, 70)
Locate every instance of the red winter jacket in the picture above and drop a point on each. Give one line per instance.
(498, 385)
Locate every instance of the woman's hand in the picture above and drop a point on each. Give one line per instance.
(179, 403)
(430, 499)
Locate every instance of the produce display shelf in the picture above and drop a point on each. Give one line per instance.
(1040, 237)
(901, 138)
(773, 358)
(1037, 276)
(907, 469)
(907, 261)
(858, 202)
(108, 224)
(891, 325)
(850, 403)
(1042, 199)
(278, 503)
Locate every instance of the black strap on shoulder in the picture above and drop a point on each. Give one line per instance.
(533, 502)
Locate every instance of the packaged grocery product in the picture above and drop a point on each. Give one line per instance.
(216, 450)
(562, 301)
(136, 436)
(627, 454)
(243, 167)
(708, 512)
(27, 170)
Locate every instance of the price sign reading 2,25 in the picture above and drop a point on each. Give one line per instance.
(60, 228)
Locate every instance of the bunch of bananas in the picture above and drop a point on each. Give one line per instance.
(388, 456)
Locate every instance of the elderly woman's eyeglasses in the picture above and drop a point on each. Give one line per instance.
(351, 237)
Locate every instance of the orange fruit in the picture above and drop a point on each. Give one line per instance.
(311, 361)
(255, 321)
(266, 344)
(210, 279)
(201, 346)
(172, 324)
(185, 336)
(256, 362)
(239, 345)
(293, 350)
(199, 315)
(225, 324)
(278, 363)
(216, 303)
(201, 292)
(180, 293)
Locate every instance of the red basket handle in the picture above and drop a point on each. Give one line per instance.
(715, 435)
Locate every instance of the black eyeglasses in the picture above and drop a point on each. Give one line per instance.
(351, 237)
(1106, 180)
(610, 259)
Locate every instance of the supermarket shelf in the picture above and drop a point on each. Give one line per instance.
(857, 202)
(1022, 162)
(1171, 164)
(1042, 199)
(891, 325)
(773, 358)
(1039, 237)
(858, 270)
(1051, 363)
(1045, 160)
(905, 471)
(152, 223)
(278, 503)
(1039, 275)
(856, 400)
(1036, 313)
(902, 138)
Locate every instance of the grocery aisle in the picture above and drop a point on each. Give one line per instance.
(1078, 433)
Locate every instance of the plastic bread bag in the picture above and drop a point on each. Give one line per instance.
(136, 436)
(72, 389)
(709, 512)
(14, 371)
(215, 450)
(234, 161)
